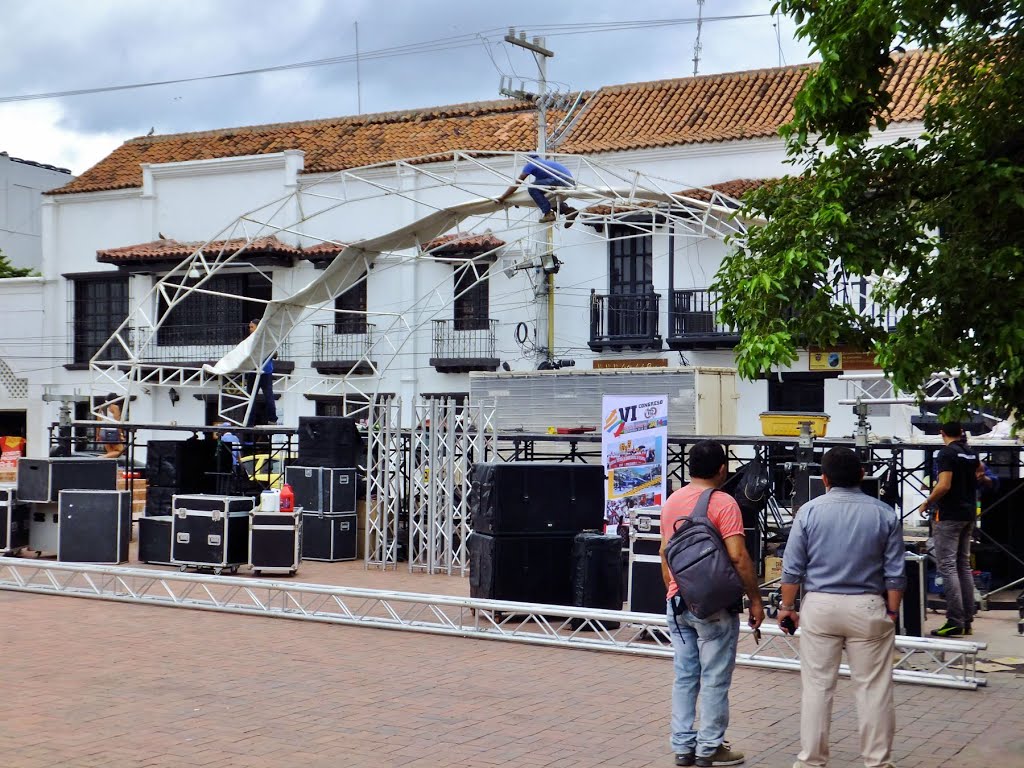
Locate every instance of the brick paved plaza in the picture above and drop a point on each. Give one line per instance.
(93, 683)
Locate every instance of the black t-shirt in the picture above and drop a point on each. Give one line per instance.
(960, 503)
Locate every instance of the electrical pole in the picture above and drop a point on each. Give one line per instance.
(541, 56)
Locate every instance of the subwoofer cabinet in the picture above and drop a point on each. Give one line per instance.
(14, 521)
(536, 497)
(329, 537)
(527, 569)
(210, 531)
(155, 539)
(323, 489)
(274, 541)
(597, 571)
(330, 441)
(95, 526)
(42, 480)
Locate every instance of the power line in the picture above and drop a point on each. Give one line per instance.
(429, 46)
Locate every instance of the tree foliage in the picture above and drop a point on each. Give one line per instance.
(935, 224)
(9, 270)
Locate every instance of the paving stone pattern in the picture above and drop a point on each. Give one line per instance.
(95, 683)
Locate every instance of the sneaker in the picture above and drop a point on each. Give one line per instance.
(722, 756)
(949, 629)
(685, 758)
(548, 217)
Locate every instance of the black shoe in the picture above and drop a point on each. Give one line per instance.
(967, 629)
(949, 629)
(685, 758)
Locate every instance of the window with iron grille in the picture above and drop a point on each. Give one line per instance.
(204, 319)
(100, 306)
(630, 268)
(472, 299)
(351, 308)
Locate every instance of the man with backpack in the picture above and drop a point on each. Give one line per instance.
(846, 548)
(706, 569)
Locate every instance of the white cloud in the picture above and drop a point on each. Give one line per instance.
(33, 131)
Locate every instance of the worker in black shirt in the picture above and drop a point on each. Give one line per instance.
(955, 499)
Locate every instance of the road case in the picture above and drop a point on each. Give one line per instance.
(329, 537)
(95, 526)
(323, 489)
(42, 480)
(14, 521)
(155, 539)
(274, 541)
(210, 532)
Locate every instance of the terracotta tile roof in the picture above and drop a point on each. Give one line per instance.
(331, 144)
(461, 242)
(689, 110)
(172, 250)
(711, 108)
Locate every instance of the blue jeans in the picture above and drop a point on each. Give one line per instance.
(705, 656)
(539, 194)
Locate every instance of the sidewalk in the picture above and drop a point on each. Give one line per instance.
(93, 683)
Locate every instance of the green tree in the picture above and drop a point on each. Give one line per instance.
(936, 221)
(9, 270)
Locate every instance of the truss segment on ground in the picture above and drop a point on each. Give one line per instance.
(941, 663)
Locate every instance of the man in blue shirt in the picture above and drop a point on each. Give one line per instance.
(549, 176)
(265, 384)
(846, 548)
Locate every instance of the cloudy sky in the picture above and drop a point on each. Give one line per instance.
(452, 51)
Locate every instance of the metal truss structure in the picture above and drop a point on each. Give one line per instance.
(446, 440)
(127, 361)
(386, 473)
(942, 663)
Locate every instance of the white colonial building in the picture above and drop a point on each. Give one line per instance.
(630, 289)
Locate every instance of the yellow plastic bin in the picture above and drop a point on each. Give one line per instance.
(779, 424)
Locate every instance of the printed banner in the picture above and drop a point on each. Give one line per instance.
(633, 448)
(11, 449)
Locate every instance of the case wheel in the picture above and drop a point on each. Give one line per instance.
(218, 571)
(233, 569)
(182, 568)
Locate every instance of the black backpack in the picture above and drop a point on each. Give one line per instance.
(700, 564)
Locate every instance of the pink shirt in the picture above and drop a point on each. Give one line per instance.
(723, 511)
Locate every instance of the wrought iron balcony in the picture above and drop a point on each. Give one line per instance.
(343, 347)
(459, 350)
(693, 322)
(624, 320)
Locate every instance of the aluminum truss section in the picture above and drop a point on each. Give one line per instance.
(446, 440)
(941, 663)
(387, 467)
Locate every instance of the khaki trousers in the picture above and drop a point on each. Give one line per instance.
(828, 623)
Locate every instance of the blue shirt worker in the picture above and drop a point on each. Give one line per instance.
(846, 548)
(549, 176)
(265, 384)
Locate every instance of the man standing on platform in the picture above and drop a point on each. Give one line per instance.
(955, 498)
(846, 548)
(705, 649)
(549, 176)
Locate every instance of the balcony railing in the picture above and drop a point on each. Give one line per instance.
(624, 320)
(186, 344)
(693, 322)
(343, 347)
(457, 351)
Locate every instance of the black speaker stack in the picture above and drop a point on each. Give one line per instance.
(178, 467)
(326, 482)
(525, 517)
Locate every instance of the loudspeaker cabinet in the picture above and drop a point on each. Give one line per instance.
(95, 526)
(14, 521)
(155, 539)
(42, 480)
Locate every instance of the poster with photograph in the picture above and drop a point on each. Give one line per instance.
(633, 448)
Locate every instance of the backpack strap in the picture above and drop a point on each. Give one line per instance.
(700, 511)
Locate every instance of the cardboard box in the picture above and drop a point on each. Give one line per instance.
(772, 568)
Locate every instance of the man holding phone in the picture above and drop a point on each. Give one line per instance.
(846, 548)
